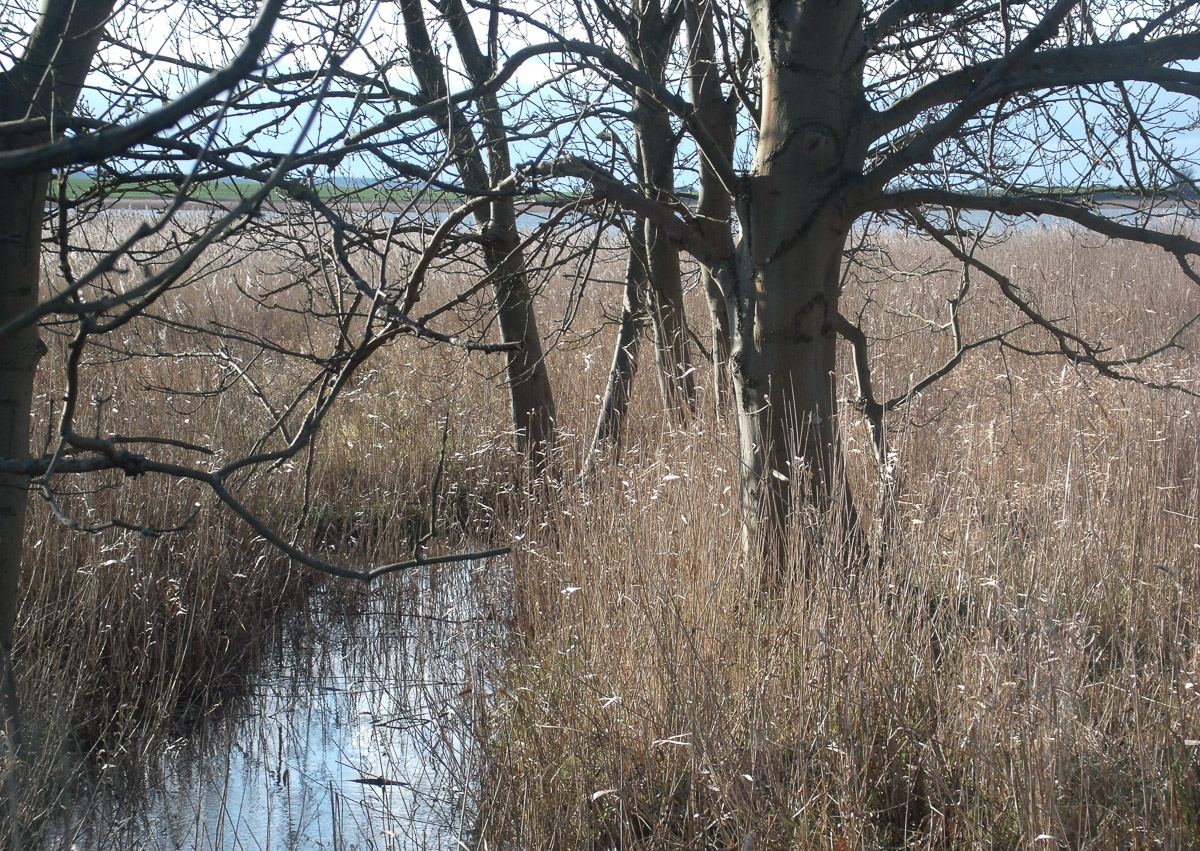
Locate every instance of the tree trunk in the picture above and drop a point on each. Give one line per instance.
(22, 202)
(714, 206)
(529, 387)
(656, 149)
(719, 319)
(610, 426)
(785, 310)
(786, 407)
(650, 34)
(530, 392)
(47, 80)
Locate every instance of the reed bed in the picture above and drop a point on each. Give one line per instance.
(1020, 670)
(127, 641)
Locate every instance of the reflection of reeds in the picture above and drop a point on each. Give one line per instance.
(356, 732)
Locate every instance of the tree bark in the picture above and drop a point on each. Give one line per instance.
(45, 82)
(650, 35)
(530, 391)
(22, 202)
(656, 148)
(714, 205)
(634, 316)
(811, 144)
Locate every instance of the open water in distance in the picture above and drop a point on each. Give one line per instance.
(357, 734)
(1168, 217)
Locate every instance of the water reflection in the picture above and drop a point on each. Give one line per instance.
(357, 735)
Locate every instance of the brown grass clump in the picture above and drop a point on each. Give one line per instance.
(1022, 670)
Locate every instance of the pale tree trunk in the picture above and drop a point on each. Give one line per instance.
(530, 392)
(46, 81)
(786, 307)
(634, 318)
(714, 207)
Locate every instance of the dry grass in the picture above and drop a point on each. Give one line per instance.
(1021, 671)
(124, 641)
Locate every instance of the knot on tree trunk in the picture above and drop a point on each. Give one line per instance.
(819, 146)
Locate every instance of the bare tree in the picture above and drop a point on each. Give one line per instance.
(646, 33)
(900, 111)
(649, 30)
(176, 123)
(496, 220)
(45, 81)
(635, 316)
(715, 111)
(903, 109)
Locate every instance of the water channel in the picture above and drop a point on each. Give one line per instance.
(356, 734)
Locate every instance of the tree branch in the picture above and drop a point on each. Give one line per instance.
(1074, 347)
(606, 186)
(1129, 60)
(900, 11)
(106, 143)
(1015, 205)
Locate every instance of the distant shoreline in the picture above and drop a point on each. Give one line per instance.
(538, 209)
(544, 207)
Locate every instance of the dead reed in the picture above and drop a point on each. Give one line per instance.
(125, 640)
(1021, 670)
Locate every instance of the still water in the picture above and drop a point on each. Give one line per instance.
(356, 734)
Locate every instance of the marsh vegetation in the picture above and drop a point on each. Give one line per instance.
(1018, 669)
(902, 552)
(1019, 665)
